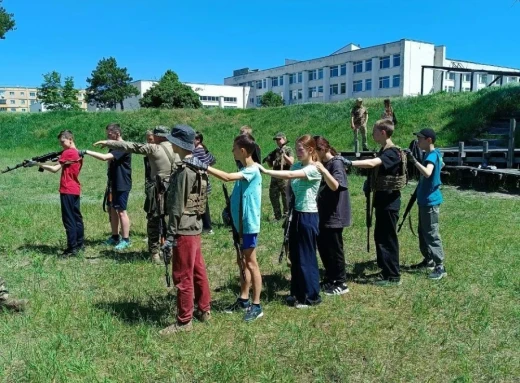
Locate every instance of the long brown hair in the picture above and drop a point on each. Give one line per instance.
(323, 144)
(387, 103)
(309, 143)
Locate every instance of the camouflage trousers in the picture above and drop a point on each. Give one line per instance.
(277, 189)
(363, 130)
(4, 293)
(153, 230)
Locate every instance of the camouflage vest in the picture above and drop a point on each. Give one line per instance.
(388, 182)
(197, 197)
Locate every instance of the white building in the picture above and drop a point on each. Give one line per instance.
(211, 96)
(393, 69)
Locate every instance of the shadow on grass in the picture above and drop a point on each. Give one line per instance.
(359, 274)
(274, 288)
(124, 256)
(155, 311)
(42, 249)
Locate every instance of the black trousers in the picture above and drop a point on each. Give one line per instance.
(206, 219)
(72, 220)
(330, 246)
(387, 244)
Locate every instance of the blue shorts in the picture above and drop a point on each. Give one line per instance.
(249, 241)
(120, 200)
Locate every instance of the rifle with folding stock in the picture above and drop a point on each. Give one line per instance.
(52, 157)
(236, 234)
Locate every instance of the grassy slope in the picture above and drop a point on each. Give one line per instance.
(96, 318)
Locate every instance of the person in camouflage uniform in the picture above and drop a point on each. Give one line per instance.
(279, 159)
(358, 123)
(7, 303)
(162, 160)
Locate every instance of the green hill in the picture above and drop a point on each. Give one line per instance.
(455, 116)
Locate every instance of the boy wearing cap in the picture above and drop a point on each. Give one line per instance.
(187, 195)
(279, 159)
(358, 123)
(162, 161)
(429, 199)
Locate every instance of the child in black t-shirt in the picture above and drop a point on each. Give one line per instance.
(385, 167)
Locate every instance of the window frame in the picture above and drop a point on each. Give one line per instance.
(382, 61)
(382, 80)
(355, 83)
(357, 66)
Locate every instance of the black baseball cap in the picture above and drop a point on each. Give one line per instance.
(426, 133)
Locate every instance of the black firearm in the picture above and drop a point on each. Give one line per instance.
(160, 193)
(236, 234)
(285, 244)
(52, 157)
(409, 207)
(368, 213)
(271, 156)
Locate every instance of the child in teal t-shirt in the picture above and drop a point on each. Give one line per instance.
(246, 201)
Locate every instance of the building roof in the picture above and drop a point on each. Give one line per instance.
(473, 62)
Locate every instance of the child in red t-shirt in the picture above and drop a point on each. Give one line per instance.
(70, 163)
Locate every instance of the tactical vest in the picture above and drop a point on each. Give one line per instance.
(388, 182)
(197, 197)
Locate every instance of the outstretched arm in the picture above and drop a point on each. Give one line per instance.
(283, 174)
(367, 164)
(222, 175)
(100, 156)
(51, 168)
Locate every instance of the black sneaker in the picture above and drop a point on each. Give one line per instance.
(438, 273)
(425, 265)
(337, 289)
(68, 252)
(239, 305)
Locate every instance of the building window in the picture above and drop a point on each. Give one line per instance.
(292, 77)
(230, 99)
(384, 82)
(300, 77)
(264, 83)
(300, 94)
(280, 81)
(450, 76)
(312, 92)
(482, 78)
(358, 66)
(13, 109)
(22, 102)
(11, 101)
(3, 102)
(252, 100)
(320, 91)
(467, 77)
(384, 62)
(259, 85)
(396, 81)
(22, 93)
(368, 65)
(368, 84)
(343, 88)
(33, 102)
(24, 110)
(397, 60)
(312, 75)
(449, 88)
(357, 86)
(11, 93)
(258, 100)
(334, 89)
(466, 89)
(292, 95)
(3, 109)
(274, 81)
(320, 74)
(343, 70)
(334, 71)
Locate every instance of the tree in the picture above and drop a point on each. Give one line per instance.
(6, 22)
(58, 97)
(109, 85)
(170, 93)
(270, 99)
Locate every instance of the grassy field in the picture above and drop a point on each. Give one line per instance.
(96, 318)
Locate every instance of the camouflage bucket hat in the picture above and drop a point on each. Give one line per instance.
(161, 131)
(279, 135)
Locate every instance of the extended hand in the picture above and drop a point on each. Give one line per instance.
(261, 168)
(410, 157)
(320, 167)
(195, 163)
(101, 144)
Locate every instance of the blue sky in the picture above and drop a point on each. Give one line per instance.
(203, 41)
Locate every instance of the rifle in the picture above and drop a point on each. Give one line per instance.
(53, 157)
(368, 213)
(236, 234)
(285, 244)
(409, 207)
(159, 209)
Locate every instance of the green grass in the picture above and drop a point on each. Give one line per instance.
(97, 317)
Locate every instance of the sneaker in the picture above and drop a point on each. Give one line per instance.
(156, 259)
(209, 232)
(68, 252)
(326, 285)
(438, 273)
(176, 328)
(299, 305)
(123, 245)
(237, 306)
(17, 305)
(337, 289)
(202, 316)
(111, 241)
(383, 282)
(253, 312)
(424, 265)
